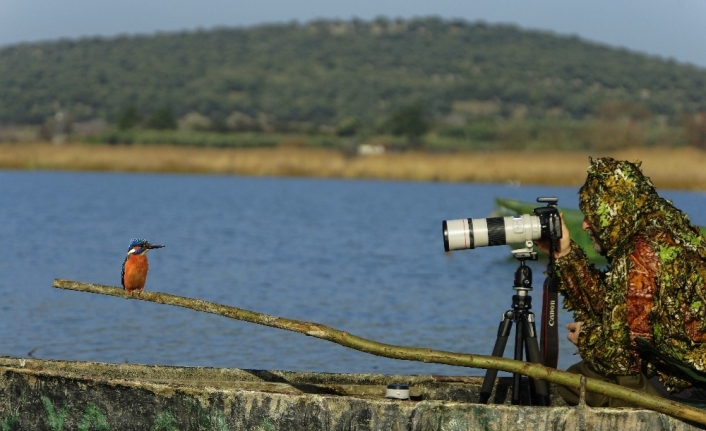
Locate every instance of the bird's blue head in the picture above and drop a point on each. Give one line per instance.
(137, 242)
(140, 245)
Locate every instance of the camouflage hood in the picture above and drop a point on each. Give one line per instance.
(619, 201)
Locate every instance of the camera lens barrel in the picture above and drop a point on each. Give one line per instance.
(467, 233)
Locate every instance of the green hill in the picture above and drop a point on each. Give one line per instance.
(347, 77)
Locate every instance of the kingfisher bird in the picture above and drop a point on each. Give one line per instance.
(134, 273)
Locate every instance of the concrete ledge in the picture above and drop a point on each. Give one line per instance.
(56, 395)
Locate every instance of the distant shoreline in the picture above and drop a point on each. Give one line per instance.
(681, 169)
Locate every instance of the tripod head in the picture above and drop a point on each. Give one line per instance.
(523, 273)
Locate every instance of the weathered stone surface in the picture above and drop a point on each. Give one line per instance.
(61, 395)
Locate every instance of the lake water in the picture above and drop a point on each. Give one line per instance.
(361, 256)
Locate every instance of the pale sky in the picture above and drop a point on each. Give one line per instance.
(670, 29)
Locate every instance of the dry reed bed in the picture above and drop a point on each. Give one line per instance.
(672, 169)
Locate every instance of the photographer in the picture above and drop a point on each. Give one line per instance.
(642, 322)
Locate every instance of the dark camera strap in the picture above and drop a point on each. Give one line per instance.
(550, 319)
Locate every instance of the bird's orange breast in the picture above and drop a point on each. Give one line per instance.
(136, 269)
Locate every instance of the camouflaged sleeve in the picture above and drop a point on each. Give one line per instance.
(581, 284)
(603, 340)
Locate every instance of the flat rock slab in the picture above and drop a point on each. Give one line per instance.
(64, 395)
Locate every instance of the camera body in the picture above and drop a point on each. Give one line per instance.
(545, 223)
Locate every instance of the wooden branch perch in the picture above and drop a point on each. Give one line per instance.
(535, 371)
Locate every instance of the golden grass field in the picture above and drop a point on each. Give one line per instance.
(683, 168)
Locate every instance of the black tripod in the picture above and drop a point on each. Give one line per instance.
(525, 336)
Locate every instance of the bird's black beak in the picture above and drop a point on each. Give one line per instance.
(151, 246)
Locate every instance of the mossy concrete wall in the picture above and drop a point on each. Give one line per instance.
(58, 395)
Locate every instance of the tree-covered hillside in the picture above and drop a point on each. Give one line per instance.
(341, 76)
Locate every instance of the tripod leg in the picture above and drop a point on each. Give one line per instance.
(498, 349)
(540, 388)
(519, 343)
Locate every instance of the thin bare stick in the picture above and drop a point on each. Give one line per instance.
(535, 371)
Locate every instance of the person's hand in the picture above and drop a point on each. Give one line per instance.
(574, 330)
(564, 244)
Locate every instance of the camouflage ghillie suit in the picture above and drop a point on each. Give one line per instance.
(655, 286)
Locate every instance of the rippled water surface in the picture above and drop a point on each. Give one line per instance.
(361, 256)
